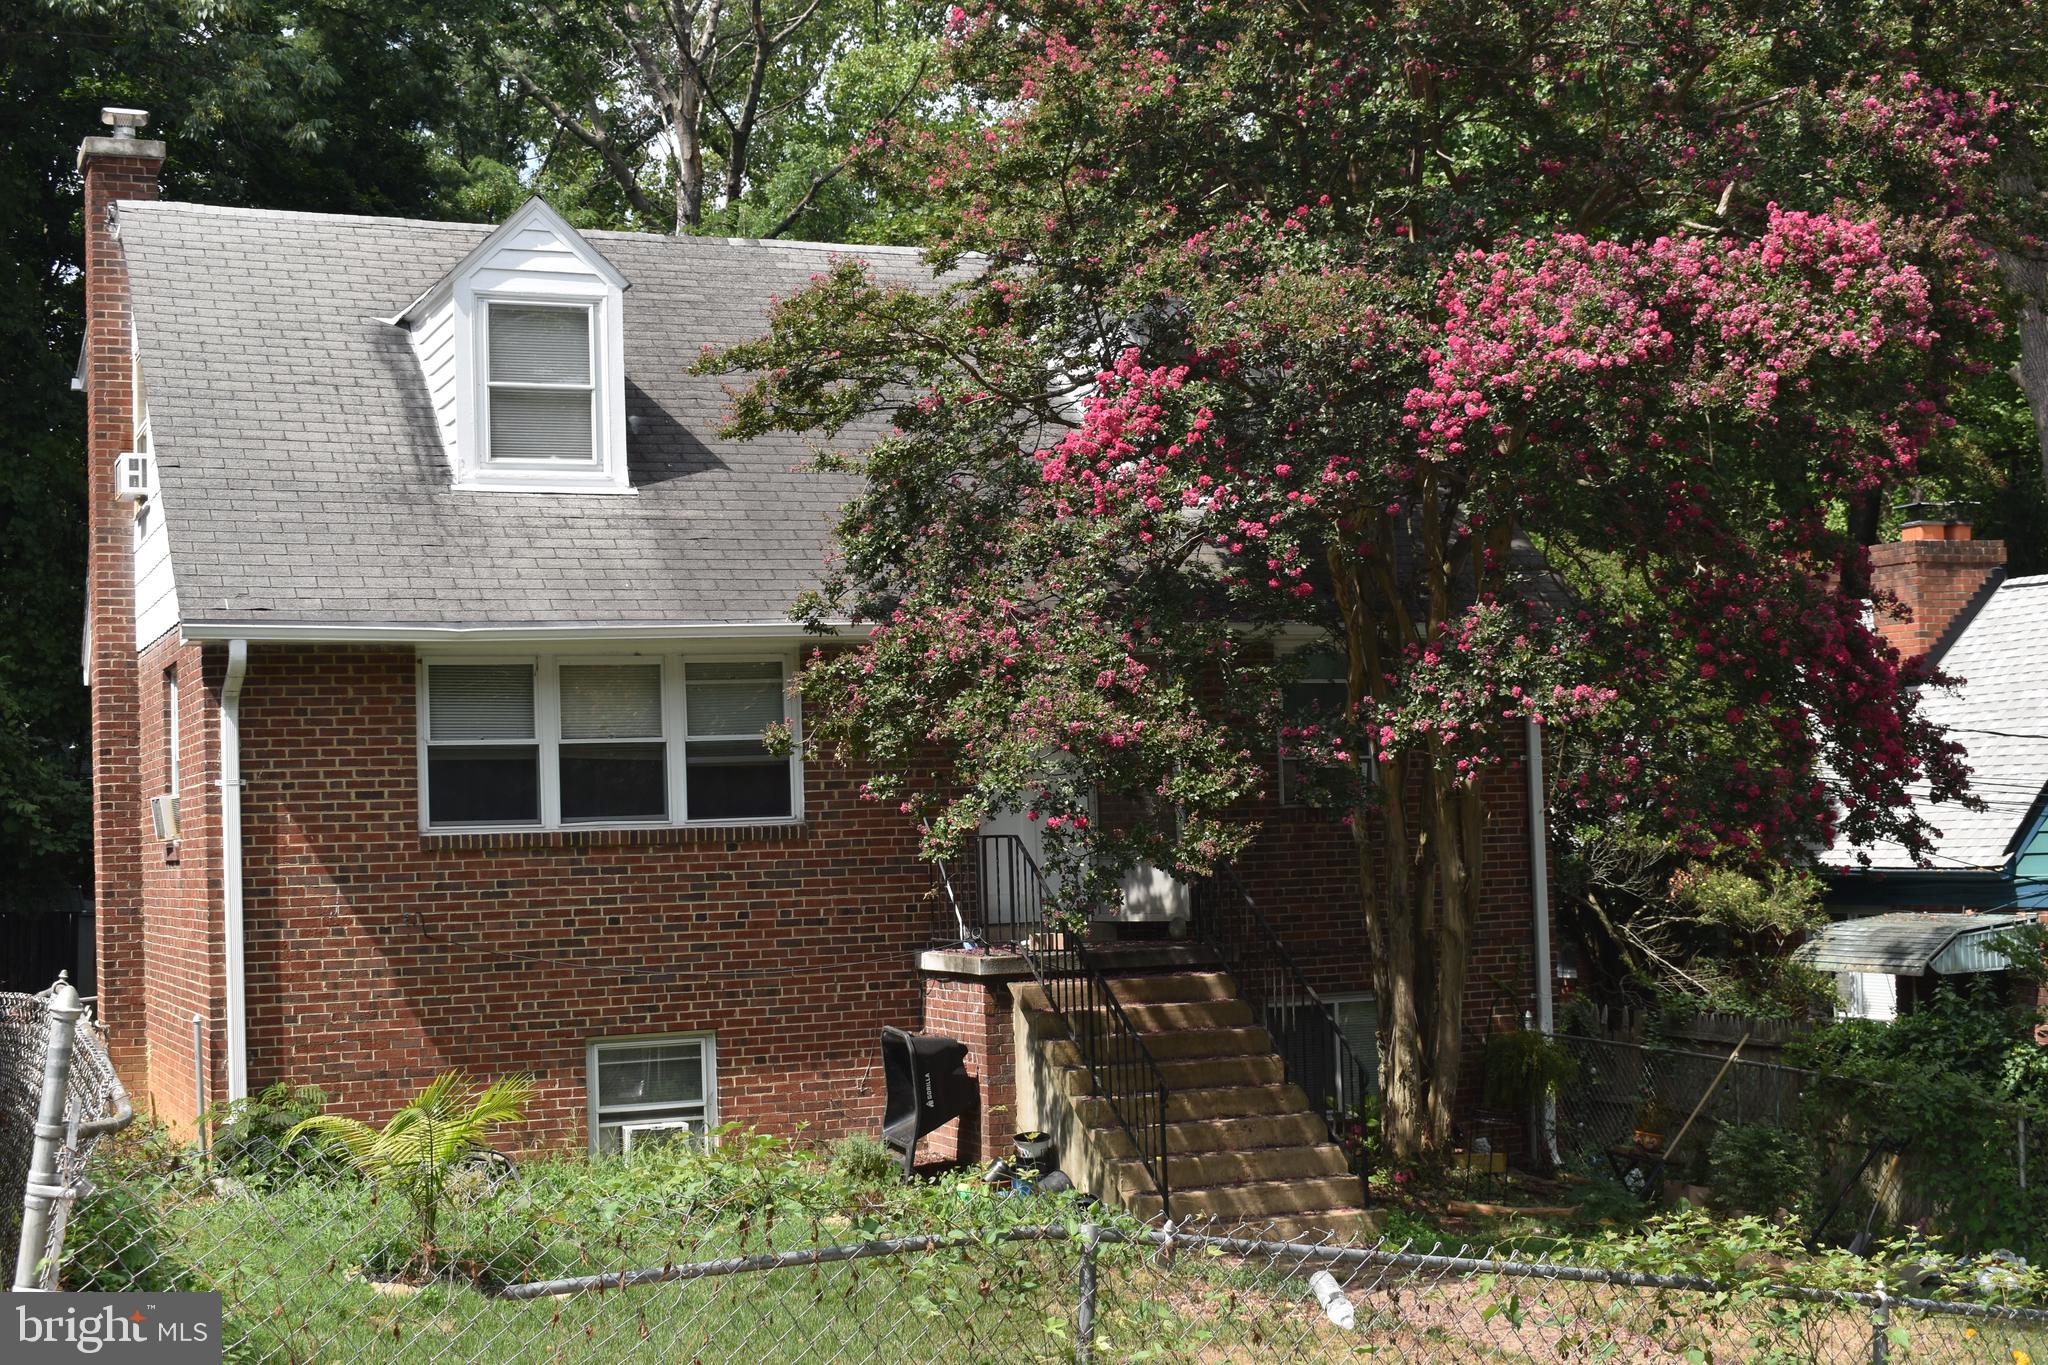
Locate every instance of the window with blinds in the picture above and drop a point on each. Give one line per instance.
(731, 774)
(538, 380)
(614, 760)
(483, 749)
(566, 741)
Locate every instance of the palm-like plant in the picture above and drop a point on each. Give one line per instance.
(425, 1142)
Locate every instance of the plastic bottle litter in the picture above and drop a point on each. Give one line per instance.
(1336, 1305)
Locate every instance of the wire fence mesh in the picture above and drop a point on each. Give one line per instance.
(738, 1255)
(93, 1102)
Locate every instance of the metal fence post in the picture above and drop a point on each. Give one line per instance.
(43, 1191)
(199, 1082)
(1084, 1316)
(1880, 1329)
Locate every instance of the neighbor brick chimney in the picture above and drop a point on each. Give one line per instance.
(116, 167)
(1941, 574)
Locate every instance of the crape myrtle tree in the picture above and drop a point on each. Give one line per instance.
(1527, 356)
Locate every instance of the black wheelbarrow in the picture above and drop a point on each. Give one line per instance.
(926, 1087)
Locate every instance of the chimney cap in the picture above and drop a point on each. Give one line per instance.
(124, 122)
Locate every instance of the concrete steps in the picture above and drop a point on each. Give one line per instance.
(1243, 1145)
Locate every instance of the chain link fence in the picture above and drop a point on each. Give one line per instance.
(49, 1040)
(750, 1253)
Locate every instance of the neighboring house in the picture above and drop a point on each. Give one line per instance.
(433, 632)
(1897, 933)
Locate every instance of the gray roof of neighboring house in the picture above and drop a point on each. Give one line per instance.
(303, 476)
(2000, 715)
(1911, 944)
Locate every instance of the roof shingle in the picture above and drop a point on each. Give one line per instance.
(304, 480)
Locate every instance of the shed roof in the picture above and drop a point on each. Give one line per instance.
(1910, 943)
(303, 474)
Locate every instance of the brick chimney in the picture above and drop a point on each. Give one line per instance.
(117, 166)
(1941, 574)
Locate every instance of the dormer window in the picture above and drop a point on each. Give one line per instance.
(522, 348)
(538, 382)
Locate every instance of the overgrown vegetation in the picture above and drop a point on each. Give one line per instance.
(418, 1152)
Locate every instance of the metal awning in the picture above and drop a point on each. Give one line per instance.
(1911, 944)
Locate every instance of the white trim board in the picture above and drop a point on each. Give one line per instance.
(315, 632)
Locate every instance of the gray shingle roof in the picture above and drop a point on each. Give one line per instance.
(2000, 715)
(304, 480)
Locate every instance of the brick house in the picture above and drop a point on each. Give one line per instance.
(433, 630)
(1897, 934)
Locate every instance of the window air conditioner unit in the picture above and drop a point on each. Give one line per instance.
(132, 475)
(655, 1133)
(163, 817)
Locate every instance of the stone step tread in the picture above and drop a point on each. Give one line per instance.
(1257, 1200)
(1184, 1074)
(1179, 1044)
(1151, 988)
(1225, 1169)
(1203, 1104)
(1246, 1132)
(1169, 1016)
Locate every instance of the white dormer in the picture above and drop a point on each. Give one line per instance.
(523, 350)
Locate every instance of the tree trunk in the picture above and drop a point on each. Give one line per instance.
(2024, 267)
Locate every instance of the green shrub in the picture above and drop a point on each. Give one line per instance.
(1760, 1168)
(252, 1136)
(861, 1159)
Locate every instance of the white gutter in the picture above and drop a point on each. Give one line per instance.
(231, 867)
(312, 632)
(1539, 884)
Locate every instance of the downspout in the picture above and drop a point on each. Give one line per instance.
(1539, 884)
(231, 866)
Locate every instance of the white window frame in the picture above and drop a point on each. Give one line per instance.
(478, 472)
(1338, 1000)
(595, 1113)
(547, 723)
(593, 352)
(173, 737)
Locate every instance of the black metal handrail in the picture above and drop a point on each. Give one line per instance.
(1005, 906)
(1121, 1069)
(996, 899)
(1311, 1046)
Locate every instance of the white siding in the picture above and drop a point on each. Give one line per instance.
(433, 341)
(156, 590)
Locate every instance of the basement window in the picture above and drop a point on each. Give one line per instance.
(572, 742)
(1358, 1019)
(647, 1092)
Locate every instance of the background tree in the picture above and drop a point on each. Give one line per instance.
(1351, 319)
(733, 115)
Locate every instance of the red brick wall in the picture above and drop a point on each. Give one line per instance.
(119, 810)
(1937, 579)
(180, 883)
(977, 1011)
(1304, 875)
(379, 956)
